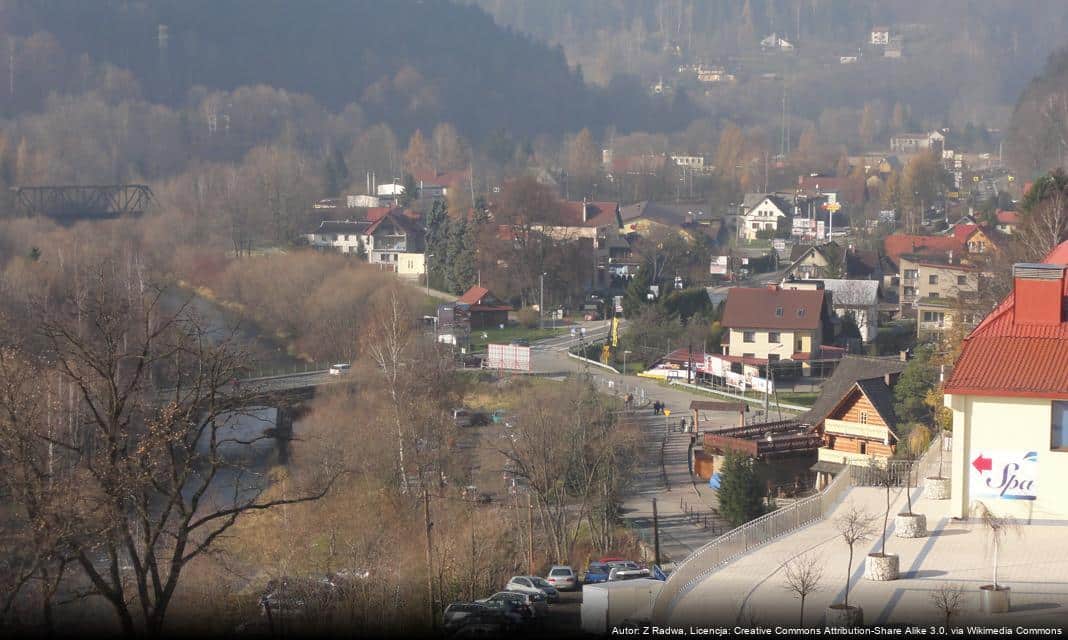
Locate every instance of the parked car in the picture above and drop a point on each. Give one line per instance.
(552, 594)
(339, 369)
(529, 584)
(462, 417)
(457, 612)
(526, 603)
(596, 573)
(562, 577)
(521, 342)
(472, 361)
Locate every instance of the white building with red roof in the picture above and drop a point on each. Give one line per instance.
(1009, 396)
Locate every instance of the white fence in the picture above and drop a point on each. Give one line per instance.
(695, 568)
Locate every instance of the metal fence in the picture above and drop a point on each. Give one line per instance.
(695, 568)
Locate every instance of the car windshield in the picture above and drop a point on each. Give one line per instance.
(560, 572)
(541, 582)
(597, 568)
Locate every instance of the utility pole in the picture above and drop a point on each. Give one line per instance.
(541, 304)
(530, 531)
(429, 558)
(656, 534)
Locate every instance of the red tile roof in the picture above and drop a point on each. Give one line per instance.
(374, 214)
(1004, 356)
(756, 308)
(444, 178)
(482, 299)
(899, 244)
(1008, 217)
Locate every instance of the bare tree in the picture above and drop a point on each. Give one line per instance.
(1045, 226)
(802, 576)
(998, 527)
(854, 526)
(948, 600)
(387, 343)
(146, 462)
(915, 445)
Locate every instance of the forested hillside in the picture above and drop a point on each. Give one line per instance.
(1038, 133)
(408, 63)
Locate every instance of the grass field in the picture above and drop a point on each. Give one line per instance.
(508, 334)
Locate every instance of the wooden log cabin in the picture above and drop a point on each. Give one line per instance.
(860, 429)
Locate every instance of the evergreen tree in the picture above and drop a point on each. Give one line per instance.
(636, 295)
(437, 244)
(335, 173)
(411, 190)
(741, 498)
(918, 378)
(461, 253)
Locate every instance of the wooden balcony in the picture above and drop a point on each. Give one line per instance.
(846, 428)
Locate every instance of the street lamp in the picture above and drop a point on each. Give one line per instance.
(426, 271)
(625, 352)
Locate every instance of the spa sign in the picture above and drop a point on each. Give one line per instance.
(1006, 475)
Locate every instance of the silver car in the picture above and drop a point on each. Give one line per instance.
(562, 577)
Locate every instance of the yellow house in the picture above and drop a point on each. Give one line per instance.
(1009, 396)
(771, 324)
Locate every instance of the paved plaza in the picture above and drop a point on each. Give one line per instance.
(752, 589)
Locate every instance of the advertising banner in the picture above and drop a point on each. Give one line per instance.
(508, 356)
(1004, 475)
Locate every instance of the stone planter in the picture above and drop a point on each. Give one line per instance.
(881, 567)
(994, 601)
(936, 488)
(839, 616)
(910, 525)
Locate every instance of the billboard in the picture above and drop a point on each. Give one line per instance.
(718, 266)
(508, 356)
(1004, 475)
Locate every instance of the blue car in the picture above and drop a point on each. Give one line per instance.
(596, 572)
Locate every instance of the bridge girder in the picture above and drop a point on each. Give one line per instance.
(68, 202)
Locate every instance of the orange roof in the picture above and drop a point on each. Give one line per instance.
(1007, 356)
(1008, 217)
(899, 244)
(482, 299)
(445, 178)
(598, 214)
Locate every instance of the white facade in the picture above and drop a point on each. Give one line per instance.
(363, 201)
(880, 36)
(765, 215)
(391, 190)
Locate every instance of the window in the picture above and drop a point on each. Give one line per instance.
(773, 337)
(773, 357)
(801, 312)
(748, 355)
(748, 336)
(778, 312)
(910, 274)
(932, 279)
(1059, 429)
(863, 417)
(933, 294)
(933, 316)
(962, 280)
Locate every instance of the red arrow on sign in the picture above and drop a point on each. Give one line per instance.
(982, 464)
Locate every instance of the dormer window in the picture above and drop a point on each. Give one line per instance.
(778, 312)
(801, 312)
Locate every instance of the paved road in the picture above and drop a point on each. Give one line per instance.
(684, 507)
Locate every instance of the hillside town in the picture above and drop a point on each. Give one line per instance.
(618, 318)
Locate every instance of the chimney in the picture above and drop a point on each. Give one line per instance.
(584, 214)
(951, 256)
(1038, 290)
(904, 355)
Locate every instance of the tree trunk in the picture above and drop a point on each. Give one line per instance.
(849, 570)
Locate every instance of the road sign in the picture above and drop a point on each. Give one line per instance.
(975, 178)
(667, 412)
(833, 207)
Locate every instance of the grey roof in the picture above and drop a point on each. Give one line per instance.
(852, 293)
(343, 226)
(881, 398)
(667, 213)
(850, 369)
